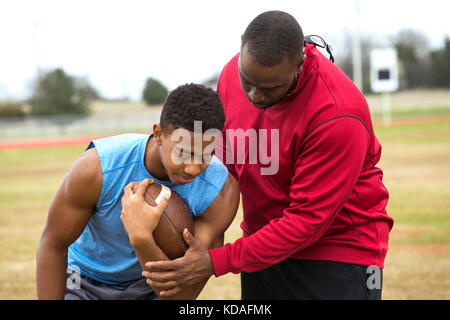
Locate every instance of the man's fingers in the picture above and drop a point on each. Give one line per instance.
(162, 205)
(160, 276)
(143, 185)
(128, 189)
(168, 265)
(189, 238)
(169, 293)
(161, 285)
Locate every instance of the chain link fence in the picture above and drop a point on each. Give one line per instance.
(60, 126)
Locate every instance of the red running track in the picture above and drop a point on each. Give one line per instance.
(57, 142)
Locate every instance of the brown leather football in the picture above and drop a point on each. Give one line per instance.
(168, 234)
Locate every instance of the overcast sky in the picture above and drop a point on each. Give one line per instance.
(118, 44)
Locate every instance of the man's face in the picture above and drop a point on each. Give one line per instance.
(266, 86)
(185, 155)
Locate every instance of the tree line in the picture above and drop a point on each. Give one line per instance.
(56, 92)
(420, 66)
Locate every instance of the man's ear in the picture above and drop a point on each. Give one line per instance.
(157, 133)
(301, 63)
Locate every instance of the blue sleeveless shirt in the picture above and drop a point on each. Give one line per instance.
(103, 251)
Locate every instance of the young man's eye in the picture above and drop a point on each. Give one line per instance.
(181, 152)
(183, 155)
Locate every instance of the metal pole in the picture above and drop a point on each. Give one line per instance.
(386, 108)
(357, 60)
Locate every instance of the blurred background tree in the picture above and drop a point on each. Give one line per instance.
(87, 88)
(11, 110)
(440, 66)
(58, 93)
(154, 92)
(345, 59)
(419, 65)
(212, 81)
(413, 51)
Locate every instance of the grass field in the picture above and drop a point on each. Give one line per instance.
(416, 163)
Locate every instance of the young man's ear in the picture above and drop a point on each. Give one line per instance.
(157, 133)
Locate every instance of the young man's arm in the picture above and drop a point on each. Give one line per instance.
(68, 215)
(140, 220)
(209, 229)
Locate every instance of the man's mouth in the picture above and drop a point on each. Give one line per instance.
(261, 106)
(186, 179)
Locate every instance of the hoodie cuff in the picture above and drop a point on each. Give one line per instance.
(220, 261)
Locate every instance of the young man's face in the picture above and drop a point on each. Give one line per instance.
(266, 86)
(185, 154)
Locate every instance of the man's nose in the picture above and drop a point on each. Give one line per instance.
(255, 96)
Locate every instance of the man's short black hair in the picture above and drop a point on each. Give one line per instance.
(189, 103)
(273, 36)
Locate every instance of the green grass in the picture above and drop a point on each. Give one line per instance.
(431, 134)
(29, 178)
(414, 112)
(416, 166)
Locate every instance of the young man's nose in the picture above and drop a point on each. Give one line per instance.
(193, 169)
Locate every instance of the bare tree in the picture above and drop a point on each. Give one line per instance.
(413, 50)
(344, 58)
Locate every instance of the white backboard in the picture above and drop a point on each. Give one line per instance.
(384, 70)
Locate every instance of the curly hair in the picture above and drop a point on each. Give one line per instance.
(272, 36)
(189, 103)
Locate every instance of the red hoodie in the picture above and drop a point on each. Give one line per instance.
(326, 199)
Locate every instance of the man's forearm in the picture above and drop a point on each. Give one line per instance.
(147, 250)
(51, 266)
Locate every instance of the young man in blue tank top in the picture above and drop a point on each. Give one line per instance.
(93, 249)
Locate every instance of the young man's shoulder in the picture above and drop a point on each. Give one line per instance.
(118, 142)
(121, 150)
(215, 175)
(84, 180)
(205, 188)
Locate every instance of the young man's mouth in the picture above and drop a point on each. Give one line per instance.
(185, 180)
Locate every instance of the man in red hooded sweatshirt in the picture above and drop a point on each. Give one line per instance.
(299, 139)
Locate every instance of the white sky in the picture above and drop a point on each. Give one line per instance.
(118, 44)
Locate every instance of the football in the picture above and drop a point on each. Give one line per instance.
(168, 234)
